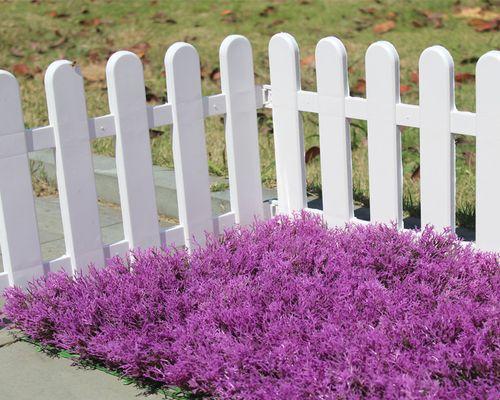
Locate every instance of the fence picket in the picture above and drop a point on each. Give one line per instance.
(127, 102)
(237, 82)
(182, 66)
(288, 131)
(334, 134)
(437, 144)
(19, 240)
(75, 175)
(488, 151)
(384, 136)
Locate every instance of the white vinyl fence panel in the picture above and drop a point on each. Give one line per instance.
(71, 130)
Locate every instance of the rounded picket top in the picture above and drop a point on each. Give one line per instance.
(183, 62)
(8, 84)
(331, 45)
(488, 63)
(382, 68)
(437, 63)
(234, 44)
(61, 72)
(283, 46)
(382, 51)
(331, 62)
(123, 62)
(10, 100)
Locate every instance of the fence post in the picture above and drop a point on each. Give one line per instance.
(334, 133)
(182, 66)
(19, 240)
(437, 144)
(127, 103)
(488, 151)
(384, 136)
(288, 132)
(237, 83)
(74, 170)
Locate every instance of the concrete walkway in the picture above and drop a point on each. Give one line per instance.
(51, 231)
(26, 374)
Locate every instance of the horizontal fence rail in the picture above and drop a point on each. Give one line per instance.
(70, 132)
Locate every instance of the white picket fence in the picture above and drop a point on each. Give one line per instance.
(71, 130)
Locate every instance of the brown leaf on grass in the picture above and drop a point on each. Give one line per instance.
(404, 88)
(308, 61)
(435, 18)
(22, 70)
(140, 49)
(58, 42)
(384, 27)
(311, 154)
(94, 72)
(226, 12)
(414, 76)
(276, 22)
(415, 175)
(476, 12)
(162, 18)
(150, 96)
(215, 75)
(469, 60)
(154, 133)
(17, 52)
(418, 23)
(392, 15)
(267, 11)
(462, 77)
(56, 14)
(483, 25)
(360, 87)
(368, 10)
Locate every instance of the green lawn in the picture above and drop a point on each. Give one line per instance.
(35, 33)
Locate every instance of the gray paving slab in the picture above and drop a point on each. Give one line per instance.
(26, 374)
(51, 231)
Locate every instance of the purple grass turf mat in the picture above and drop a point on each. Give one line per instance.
(286, 309)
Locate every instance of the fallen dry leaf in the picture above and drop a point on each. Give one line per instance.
(311, 154)
(94, 72)
(154, 133)
(482, 25)
(21, 70)
(55, 14)
(226, 12)
(415, 175)
(140, 49)
(462, 77)
(392, 15)
(414, 76)
(17, 52)
(266, 11)
(405, 88)
(58, 42)
(384, 27)
(360, 87)
(368, 10)
(215, 74)
(476, 12)
(308, 60)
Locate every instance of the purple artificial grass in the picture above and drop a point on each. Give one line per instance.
(286, 309)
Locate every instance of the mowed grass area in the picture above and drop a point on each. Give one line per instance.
(33, 34)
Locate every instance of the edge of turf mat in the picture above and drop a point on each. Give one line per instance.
(148, 387)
